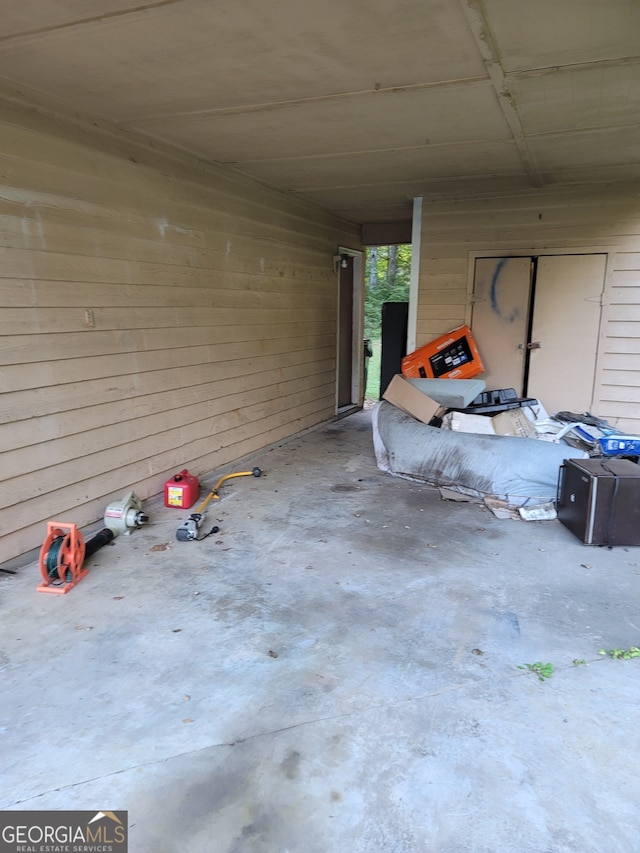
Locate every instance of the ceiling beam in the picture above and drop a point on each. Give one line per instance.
(481, 30)
(386, 233)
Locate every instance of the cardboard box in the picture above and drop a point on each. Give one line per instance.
(478, 424)
(513, 422)
(402, 394)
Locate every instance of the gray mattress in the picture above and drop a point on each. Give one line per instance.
(517, 470)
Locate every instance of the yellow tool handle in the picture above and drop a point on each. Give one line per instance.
(256, 472)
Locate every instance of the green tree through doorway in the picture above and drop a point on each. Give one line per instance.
(387, 277)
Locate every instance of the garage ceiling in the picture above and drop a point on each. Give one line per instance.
(359, 105)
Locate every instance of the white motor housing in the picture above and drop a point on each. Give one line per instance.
(126, 515)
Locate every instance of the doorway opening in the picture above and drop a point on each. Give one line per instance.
(387, 280)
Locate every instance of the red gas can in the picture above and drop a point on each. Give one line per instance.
(181, 490)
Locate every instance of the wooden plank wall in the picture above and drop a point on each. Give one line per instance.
(156, 313)
(603, 217)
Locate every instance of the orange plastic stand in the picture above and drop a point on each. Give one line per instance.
(70, 557)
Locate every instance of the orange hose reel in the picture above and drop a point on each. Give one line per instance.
(61, 558)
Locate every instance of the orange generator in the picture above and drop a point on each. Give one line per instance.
(451, 356)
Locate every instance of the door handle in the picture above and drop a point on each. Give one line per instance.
(532, 345)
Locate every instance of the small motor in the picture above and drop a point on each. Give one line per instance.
(126, 515)
(189, 529)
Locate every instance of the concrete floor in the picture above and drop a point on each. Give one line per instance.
(336, 671)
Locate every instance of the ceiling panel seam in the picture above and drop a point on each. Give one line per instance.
(360, 152)
(596, 64)
(462, 82)
(580, 131)
(479, 26)
(81, 22)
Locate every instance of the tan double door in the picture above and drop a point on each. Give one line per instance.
(536, 321)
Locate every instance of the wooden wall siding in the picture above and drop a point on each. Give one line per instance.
(604, 217)
(155, 313)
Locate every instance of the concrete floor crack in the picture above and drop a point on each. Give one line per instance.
(239, 741)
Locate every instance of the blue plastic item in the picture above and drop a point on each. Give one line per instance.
(620, 445)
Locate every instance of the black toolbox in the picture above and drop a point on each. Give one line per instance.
(599, 500)
(494, 402)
